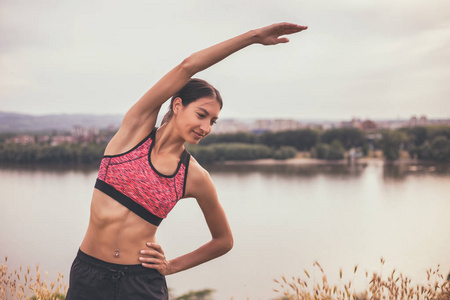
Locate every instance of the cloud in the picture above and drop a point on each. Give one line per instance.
(356, 58)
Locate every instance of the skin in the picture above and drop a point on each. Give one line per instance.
(111, 225)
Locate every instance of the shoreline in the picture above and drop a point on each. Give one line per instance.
(262, 162)
(315, 161)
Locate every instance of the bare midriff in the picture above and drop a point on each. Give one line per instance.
(115, 234)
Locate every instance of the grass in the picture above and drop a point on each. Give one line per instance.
(394, 286)
(27, 284)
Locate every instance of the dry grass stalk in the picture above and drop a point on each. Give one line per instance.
(18, 284)
(395, 287)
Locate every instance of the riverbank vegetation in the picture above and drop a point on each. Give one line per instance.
(431, 143)
(378, 286)
(28, 284)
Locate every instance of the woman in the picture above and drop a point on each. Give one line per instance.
(145, 171)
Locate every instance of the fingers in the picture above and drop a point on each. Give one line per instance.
(289, 28)
(273, 34)
(150, 261)
(152, 253)
(155, 246)
(153, 258)
(292, 26)
(150, 266)
(282, 40)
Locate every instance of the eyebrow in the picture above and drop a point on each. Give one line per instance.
(206, 112)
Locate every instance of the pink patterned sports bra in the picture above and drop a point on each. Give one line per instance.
(131, 179)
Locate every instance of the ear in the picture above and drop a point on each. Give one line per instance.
(177, 105)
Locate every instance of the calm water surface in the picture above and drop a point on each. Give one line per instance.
(283, 219)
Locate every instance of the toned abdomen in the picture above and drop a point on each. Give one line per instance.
(115, 234)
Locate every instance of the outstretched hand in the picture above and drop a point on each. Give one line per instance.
(271, 35)
(154, 258)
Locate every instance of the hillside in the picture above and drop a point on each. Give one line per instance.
(15, 122)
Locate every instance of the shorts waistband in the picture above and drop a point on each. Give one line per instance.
(107, 266)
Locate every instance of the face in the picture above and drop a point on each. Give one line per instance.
(195, 121)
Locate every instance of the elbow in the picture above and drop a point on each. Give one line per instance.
(188, 66)
(230, 244)
(227, 244)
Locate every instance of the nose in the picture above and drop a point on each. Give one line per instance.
(206, 127)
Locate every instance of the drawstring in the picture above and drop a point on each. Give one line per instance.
(117, 274)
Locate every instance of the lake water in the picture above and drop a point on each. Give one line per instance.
(283, 218)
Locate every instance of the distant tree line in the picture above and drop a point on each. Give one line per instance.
(330, 144)
(44, 153)
(425, 143)
(239, 151)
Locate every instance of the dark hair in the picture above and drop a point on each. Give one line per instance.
(192, 91)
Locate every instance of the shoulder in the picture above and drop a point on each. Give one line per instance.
(124, 140)
(198, 180)
(197, 174)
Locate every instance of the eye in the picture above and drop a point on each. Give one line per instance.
(213, 122)
(201, 115)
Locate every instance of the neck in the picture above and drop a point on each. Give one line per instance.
(168, 140)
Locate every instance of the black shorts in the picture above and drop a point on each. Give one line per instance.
(94, 279)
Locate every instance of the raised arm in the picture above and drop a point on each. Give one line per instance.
(142, 115)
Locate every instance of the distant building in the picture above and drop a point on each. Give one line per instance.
(82, 134)
(276, 125)
(229, 126)
(61, 139)
(262, 125)
(413, 121)
(284, 125)
(354, 123)
(423, 121)
(43, 139)
(369, 126)
(21, 139)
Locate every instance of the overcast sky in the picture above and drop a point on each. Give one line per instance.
(368, 59)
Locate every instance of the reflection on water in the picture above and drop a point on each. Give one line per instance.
(283, 217)
(51, 168)
(289, 170)
(393, 170)
(401, 171)
(390, 170)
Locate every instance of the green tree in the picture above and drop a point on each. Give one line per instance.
(321, 151)
(438, 130)
(391, 142)
(284, 152)
(417, 135)
(349, 137)
(229, 151)
(440, 149)
(238, 137)
(302, 140)
(336, 151)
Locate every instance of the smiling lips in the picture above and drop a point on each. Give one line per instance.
(199, 136)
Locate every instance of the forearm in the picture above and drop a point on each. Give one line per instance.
(205, 58)
(152, 100)
(209, 251)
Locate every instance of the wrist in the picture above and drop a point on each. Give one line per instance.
(170, 268)
(254, 35)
